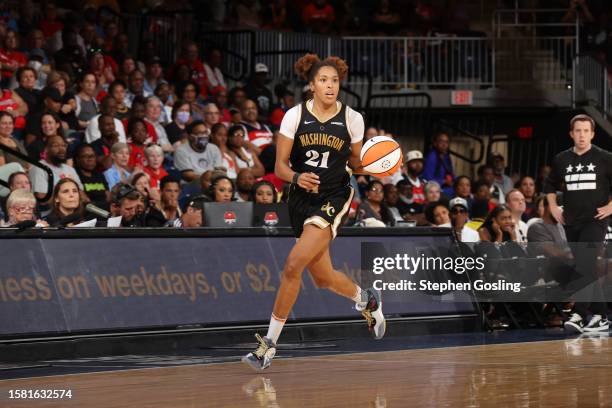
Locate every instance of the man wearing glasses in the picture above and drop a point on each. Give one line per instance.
(212, 116)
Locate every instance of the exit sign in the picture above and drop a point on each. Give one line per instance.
(525, 132)
(462, 98)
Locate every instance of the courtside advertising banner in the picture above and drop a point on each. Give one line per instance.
(69, 285)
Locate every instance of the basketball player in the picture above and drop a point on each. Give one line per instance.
(586, 171)
(318, 137)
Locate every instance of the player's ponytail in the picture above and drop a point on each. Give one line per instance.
(308, 66)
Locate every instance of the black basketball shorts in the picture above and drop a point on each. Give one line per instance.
(325, 209)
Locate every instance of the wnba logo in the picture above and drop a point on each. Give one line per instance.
(229, 217)
(270, 219)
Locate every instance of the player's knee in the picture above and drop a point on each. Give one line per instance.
(293, 269)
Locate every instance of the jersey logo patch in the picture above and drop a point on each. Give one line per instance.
(337, 123)
(308, 122)
(328, 209)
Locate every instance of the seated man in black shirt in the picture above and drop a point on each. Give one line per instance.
(94, 183)
(102, 146)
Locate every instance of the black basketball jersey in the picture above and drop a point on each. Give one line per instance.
(322, 148)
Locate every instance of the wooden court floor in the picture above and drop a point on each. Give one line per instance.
(563, 373)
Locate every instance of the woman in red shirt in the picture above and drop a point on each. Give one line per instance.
(10, 58)
(137, 134)
(155, 158)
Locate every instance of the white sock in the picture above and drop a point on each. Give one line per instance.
(357, 297)
(275, 328)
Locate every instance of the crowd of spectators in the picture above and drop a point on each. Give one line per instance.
(151, 142)
(346, 17)
(142, 140)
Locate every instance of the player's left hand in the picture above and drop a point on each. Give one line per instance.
(604, 212)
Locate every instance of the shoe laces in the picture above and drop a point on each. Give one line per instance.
(368, 316)
(262, 348)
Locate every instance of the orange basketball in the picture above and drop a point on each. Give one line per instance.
(381, 156)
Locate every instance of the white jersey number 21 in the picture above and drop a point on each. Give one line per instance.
(313, 159)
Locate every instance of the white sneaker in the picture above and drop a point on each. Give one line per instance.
(371, 309)
(574, 324)
(597, 324)
(261, 358)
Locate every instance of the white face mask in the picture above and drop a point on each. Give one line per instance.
(36, 65)
(182, 117)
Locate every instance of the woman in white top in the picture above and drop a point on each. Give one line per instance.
(244, 158)
(218, 137)
(318, 141)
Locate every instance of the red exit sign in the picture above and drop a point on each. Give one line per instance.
(462, 98)
(525, 132)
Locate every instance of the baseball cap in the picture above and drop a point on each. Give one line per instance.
(51, 93)
(458, 201)
(197, 202)
(414, 155)
(260, 67)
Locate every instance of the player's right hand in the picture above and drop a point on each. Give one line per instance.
(557, 213)
(308, 181)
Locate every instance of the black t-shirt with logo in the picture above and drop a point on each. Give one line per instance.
(587, 181)
(95, 187)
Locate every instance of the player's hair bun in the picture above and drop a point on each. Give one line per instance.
(308, 66)
(304, 65)
(340, 65)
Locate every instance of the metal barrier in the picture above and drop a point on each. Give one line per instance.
(475, 138)
(396, 63)
(530, 46)
(167, 31)
(34, 163)
(445, 61)
(405, 62)
(278, 50)
(593, 85)
(401, 114)
(238, 47)
(272, 48)
(544, 62)
(534, 22)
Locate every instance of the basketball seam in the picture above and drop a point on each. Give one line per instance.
(365, 165)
